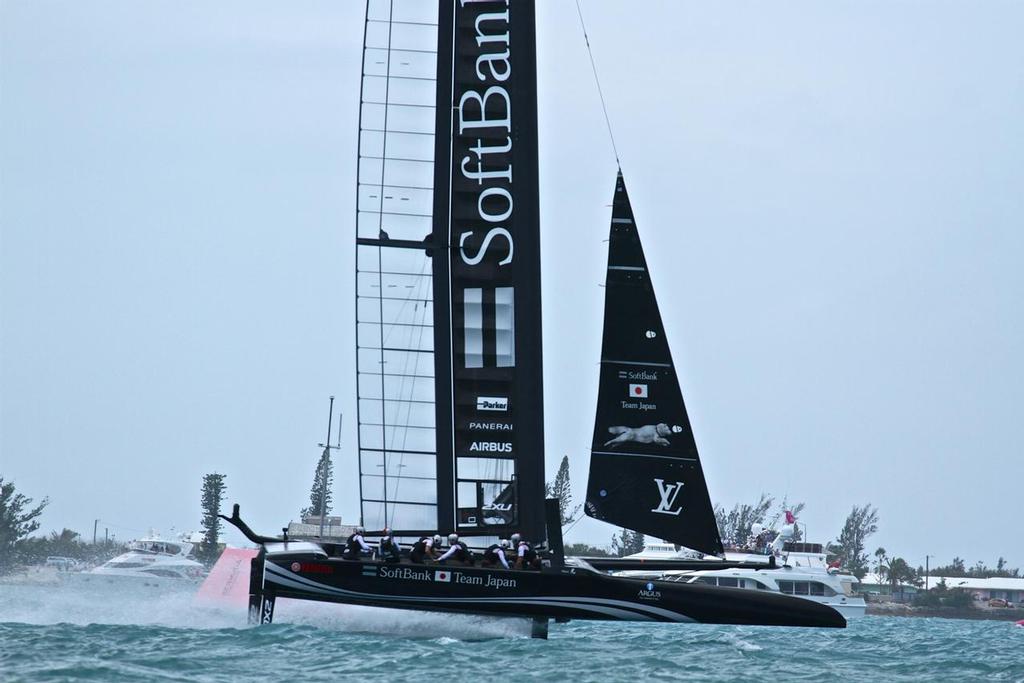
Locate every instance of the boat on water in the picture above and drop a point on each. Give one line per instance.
(449, 360)
(776, 563)
(803, 574)
(153, 559)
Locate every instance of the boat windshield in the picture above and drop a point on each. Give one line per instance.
(580, 563)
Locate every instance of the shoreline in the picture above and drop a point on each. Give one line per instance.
(973, 613)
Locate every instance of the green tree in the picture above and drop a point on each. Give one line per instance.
(212, 495)
(734, 525)
(900, 574)
(849, 547)
(956, 569)
(627, 542)
(320, 496)
(17, 520)
(585, 550)
(561, 489)
(881, 563)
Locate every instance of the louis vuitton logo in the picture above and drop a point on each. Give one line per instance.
(668, 494)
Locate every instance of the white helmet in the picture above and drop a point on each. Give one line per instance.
(504, 543)
(516, 538)
(437, 539)
(453, 538)
(360, 530)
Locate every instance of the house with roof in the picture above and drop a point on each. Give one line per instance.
(982, 590)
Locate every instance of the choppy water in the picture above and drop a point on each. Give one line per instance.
(113, 633)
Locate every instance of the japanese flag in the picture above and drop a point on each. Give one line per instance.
(443, 576)
(638, 390)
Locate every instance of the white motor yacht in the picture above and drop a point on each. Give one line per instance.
(156, 559)
(802, 570)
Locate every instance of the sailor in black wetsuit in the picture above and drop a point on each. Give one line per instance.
(457, 550)
(526, 556)
(423, 549)
(356, 545)
(495, 555)
(388, 548)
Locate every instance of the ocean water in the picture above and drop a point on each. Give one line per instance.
(107, 632)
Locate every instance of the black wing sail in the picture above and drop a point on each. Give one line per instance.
(645, 473)
(490, 437)
(451, 431)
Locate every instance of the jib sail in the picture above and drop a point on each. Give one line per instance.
(645, 473)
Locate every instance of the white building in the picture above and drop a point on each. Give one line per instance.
(1011, 590)
(982, 590)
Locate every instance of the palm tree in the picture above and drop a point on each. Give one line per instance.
(900, 574)
(882, 565)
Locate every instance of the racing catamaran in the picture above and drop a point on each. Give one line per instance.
(449, 376)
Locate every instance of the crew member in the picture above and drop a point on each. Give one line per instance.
(526, 556)
(388, 548)
(458, 550)
(496, 554)
(425, 549)
(356, 545)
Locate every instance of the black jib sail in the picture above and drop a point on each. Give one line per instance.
(448, 284)
(645, 472)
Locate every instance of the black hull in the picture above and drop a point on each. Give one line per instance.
(569, 593)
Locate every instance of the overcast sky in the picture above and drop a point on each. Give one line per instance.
(831, 196)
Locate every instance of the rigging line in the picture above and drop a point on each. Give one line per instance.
(416, 366)
(403, 383)
(380, 259)
(597, 80)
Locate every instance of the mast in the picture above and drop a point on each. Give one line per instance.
(645, 472)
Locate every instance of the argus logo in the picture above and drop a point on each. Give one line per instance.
(648, 592)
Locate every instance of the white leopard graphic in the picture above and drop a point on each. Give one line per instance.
(647, 434)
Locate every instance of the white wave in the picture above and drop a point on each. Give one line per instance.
(133, 602)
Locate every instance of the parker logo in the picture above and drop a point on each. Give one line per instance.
(443, 576)
(498, 403)
(638, 390)
(491, 446)
(668, 493)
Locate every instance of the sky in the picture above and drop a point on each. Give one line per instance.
(830, 195)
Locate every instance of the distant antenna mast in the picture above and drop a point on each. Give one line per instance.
(326, 461)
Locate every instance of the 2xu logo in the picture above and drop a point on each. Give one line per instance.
(669, 493)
